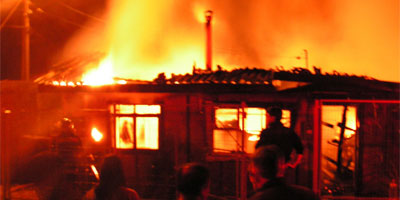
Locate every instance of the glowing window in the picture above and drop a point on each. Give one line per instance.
(227, 118)
(124, 109)
(255, 120)
(147, 132)
(238, 129)
(227, 140)
(338, 151)
(148, 109)
(136, 126)
(285, 120)
(124, 132)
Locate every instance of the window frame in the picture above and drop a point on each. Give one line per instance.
(241, 107)
(240, 127)
(134, 116)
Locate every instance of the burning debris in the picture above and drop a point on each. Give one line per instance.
(77, 73)
(91, 69)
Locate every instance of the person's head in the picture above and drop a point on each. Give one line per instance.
(111, 172)
(111, 177)
(267, 162)
(274, 114)
(66, 126)
(193, 180)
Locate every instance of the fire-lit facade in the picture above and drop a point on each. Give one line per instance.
(348, 125)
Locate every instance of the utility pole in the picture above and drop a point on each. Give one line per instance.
(25, 49)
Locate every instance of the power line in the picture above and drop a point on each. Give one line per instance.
(64, 19)
(80, 12)
(10, 14)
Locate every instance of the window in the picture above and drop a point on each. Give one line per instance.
(238, 129)
(227, 135)
(360, 149)
(286, 118)
(136, 126)
(337, 169)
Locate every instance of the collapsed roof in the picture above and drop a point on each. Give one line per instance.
(238, 80)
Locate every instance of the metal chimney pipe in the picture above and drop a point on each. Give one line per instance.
(208, 15)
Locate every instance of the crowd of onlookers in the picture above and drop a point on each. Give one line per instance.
(266, 172)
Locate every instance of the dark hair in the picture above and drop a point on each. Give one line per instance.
(192, 178)
(276, 112)
(267, 160)
(111, 177)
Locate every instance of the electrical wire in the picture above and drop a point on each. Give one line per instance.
(10, 14)
(79, 12)
(67, 21)
(64, 20)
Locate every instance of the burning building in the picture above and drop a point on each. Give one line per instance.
(349, 126)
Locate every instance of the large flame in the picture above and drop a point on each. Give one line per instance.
(146, 43)
(150, 37)
(103, 75)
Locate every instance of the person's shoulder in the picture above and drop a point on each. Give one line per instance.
(128, 190)
(129, 193)
(275, 192)
(288, 130)
(26, 191)
(303, 192)
(90, 195)
(264, 130)
(285, 192)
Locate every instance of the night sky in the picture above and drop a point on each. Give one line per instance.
(52, 24)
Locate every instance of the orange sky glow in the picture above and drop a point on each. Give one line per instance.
(146, 38)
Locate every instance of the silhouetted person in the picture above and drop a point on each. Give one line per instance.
(285, 138)
(112, 185)
(193, 181)
(69, 147)
(67, 143)
(266, 174)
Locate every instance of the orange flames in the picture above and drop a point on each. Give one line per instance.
(150, 37)
(103, 75)
(96, 135)
(140, 45)
(145, 44)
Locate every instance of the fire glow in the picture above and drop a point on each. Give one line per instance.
(95, 172)
(144, 44)
(150, 37)
(103, 75)
(139, 45)
(96, 135)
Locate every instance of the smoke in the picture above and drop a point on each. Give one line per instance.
(6, 5)
(269, 33)
(149, 37)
